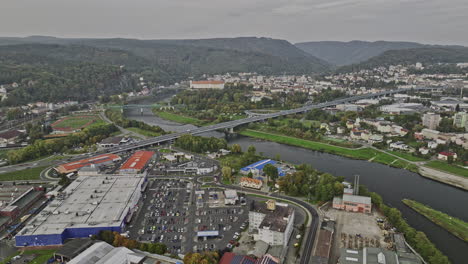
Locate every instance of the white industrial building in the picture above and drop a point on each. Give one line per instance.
(230, 197)
(271, 222)
(87, 206)
(206, 84)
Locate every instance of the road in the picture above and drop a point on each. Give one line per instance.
(314, 224)
(235, 123)
(122, 130)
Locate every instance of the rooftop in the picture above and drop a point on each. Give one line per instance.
(276, 220)
(207, 82)
(356, 199)
(259, 165)
(138, 160)
(75, 165)
(89, 201)
(10, 134)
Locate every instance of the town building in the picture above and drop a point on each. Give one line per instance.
(230, 197)
(9, 137)
(431, 120)
(353, 203)
(444, 155)
(271, 222)
(16, 202)
(231, 258)
(460, 119)
(251, 183)
(87, 206)
(101, 252)
(113, 142)
(257, 168)
(137, 163)
(206, 84)
(74, 166)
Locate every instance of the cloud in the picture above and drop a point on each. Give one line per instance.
(294, 20)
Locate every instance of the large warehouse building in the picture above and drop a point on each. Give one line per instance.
(137, 162)
(88, 205)
(97, 160)
(206, 84)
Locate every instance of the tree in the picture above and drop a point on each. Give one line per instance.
(450, 159)
(227, 173)
(271, 172)
(236, 148)
(251, 150)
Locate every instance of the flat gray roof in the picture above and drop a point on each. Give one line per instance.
(89, 201)
(356, 199)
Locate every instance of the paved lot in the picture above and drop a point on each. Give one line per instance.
(355, 231)
(173, 211)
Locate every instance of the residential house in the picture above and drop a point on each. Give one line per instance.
(9, 137)
(444, 155)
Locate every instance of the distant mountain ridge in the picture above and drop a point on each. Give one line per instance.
(426, 55)
(268, 55)
(352, 52)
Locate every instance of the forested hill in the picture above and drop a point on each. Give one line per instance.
(352, 52)
(274, 47)
(431, 55)
(52, 73)
(182, 58)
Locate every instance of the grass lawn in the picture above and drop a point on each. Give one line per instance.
(164, 150)
(407, 156)
(26, 174)
(443, 166)
(42, 255)
(179, 118)
(384, 158)
(454, 225)
(143, 132)
(363, 153)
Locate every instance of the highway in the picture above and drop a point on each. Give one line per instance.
(235, 123)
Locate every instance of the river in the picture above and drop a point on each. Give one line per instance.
(391, 183)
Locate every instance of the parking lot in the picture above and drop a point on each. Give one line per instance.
(187, 218)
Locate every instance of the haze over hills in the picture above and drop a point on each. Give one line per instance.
(352, 52)
(426, 55)
(47, 66)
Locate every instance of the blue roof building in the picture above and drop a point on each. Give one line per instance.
(257, 167)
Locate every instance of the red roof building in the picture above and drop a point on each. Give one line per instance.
(76, 165)
(444, 155)
(137, 162)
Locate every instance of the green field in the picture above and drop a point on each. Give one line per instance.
(406, 156)
(26, 174)
(443, 166)
(179, 118)
(454, 225)
(143, 132)
(77, 122)
(362, 153)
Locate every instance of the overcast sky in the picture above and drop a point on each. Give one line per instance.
(426, 21)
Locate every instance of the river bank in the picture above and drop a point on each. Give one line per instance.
(365, 153)
(454, 225)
